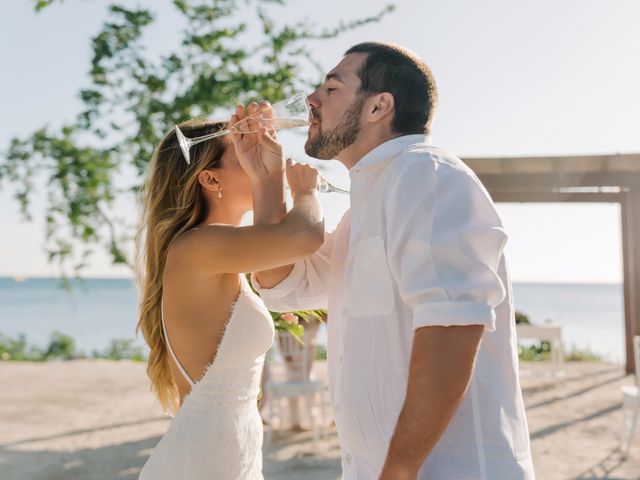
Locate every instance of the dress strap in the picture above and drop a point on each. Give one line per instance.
(175, 359)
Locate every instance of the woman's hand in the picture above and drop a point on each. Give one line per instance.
(302, 178)
(259, 154)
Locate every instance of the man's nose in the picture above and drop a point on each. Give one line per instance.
(312, 100)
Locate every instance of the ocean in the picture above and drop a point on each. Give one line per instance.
(98, 310)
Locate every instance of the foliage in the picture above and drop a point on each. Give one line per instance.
(522, 319)
(40, 4)
(121, 349)
(133, 98)
(18, 350)
(297, 329)
(582, 355)
(62, 347)
(541, 351)
(321, 352)
(537, 352)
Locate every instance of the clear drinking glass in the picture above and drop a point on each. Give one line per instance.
(325, 187)
(290, 113)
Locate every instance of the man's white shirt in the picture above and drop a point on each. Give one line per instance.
(422, 245)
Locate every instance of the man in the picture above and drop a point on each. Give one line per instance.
(421, 334)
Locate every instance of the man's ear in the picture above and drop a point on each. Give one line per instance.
(208, 179)
(380, 106)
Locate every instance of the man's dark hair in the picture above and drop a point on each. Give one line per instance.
(400, 72)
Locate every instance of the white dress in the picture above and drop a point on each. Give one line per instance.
(217, 433)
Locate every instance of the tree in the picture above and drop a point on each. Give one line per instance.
(132, 100)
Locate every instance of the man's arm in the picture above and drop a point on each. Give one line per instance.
(444, 242)
(441, 365)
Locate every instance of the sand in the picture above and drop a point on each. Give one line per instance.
(96, 419)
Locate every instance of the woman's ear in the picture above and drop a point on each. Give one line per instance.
(209, 180)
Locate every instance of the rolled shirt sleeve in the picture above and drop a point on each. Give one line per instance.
(444, 241)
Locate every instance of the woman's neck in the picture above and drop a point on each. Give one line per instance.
(221, 213)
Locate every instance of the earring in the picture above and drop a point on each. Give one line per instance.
(219, 192)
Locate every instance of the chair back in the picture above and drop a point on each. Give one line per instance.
(295, 356)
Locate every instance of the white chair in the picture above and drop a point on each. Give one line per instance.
(550, 333)
(297, 383)
(631, 401)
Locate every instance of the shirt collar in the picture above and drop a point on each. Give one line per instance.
(387, 150)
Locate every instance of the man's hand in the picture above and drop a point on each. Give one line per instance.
(259, 154)
(302, 178)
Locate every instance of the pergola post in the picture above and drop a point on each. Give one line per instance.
(630, 212)
(584, 178)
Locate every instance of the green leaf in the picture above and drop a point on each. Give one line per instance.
(41, 4)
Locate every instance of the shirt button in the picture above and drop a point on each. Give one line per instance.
(347, 458)
(336, 409)
(340, 359)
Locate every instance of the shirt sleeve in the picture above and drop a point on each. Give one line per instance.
(306, 287)
(444, 241)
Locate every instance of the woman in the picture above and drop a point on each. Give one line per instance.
(207, 331)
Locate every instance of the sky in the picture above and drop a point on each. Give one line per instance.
(544, 77)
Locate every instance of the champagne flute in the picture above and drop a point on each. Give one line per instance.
(290, 113)
(325, 187)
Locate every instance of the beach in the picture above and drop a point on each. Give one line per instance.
(98, 420)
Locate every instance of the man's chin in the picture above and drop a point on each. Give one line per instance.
(315, 147)
(309, 146)
(309, 150)
(318, 156)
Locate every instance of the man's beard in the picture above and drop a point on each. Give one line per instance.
(327, 145)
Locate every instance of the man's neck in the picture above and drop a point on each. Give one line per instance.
(365, 143)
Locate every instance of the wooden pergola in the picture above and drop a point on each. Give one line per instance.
(587, 178)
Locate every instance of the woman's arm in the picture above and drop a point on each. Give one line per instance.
(228, 249)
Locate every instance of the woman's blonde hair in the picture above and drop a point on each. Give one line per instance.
(172, 203)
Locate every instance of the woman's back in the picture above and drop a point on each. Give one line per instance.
(217, 433)
(196, 308)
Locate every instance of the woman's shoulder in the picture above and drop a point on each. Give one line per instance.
(209, 232)
(203, 239)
